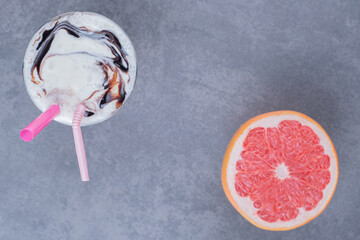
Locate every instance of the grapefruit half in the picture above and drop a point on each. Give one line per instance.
(280, 170)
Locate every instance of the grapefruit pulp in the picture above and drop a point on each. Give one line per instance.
(280, 170)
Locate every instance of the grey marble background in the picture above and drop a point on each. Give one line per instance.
(205, 67)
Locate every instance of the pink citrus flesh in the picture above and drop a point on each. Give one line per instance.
(283, 171)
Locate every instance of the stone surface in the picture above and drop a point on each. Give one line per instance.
(205, 67)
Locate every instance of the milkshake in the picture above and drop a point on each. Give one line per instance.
(80, 58)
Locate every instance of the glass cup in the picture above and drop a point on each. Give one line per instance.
(80, 58)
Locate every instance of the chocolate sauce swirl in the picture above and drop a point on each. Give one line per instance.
(113, 87)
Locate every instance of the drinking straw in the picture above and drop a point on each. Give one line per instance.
(79, 143)
(31, 130)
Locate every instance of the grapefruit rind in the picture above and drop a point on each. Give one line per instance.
(243, 204)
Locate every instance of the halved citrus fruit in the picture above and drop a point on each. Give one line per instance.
(280, 170)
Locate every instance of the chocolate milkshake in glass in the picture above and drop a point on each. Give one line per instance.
(80, 58)
(79, 68)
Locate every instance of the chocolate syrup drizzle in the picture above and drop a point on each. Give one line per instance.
(114, 87)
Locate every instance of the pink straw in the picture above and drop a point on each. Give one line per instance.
(79, 143)
(31, 130)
